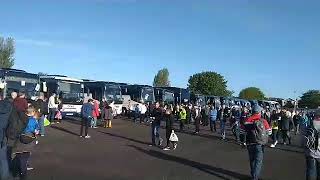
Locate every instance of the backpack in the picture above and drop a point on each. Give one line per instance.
(16, 125)
(259, 133)
(5, 111)
(312, 136)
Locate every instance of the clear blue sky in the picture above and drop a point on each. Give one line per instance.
(270, 44)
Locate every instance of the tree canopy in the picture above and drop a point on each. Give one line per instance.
(161, 79)
(209, 83)
(252, 93)
(310, 99)
(7, 50)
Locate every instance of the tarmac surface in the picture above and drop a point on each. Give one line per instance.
(123, 153)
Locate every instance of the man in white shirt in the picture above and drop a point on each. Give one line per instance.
(52, 108)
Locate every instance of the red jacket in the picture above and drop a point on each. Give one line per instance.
(253, 118)
(247, 126)
(20, 104)
(95, 112)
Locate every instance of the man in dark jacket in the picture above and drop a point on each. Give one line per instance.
(285, 126)
(86, 113)
(254, 143)
(156, 115)
(42, 108)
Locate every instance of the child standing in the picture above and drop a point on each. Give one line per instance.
(28, 141)
(108, 116)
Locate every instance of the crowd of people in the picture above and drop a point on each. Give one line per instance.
(251, 127)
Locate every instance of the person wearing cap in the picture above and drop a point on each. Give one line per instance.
(310, 141)
(255, 147)
(86, 113)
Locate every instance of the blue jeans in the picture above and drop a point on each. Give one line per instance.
(41, 125)
(94, 122)
(52, 113)
(313, 168)
(4, 163)
(155, 133)
(223, 128)
(256, 159)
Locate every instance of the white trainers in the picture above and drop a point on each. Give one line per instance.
(166, 149)
(273, 146)
(30, 169)
(276, 143)
(87, 137)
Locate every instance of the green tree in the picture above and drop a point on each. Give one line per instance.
(162, 78)
(209, 83)
(252, 93)
(7, 50)
(310, 99)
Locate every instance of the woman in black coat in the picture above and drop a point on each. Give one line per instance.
(285, 127)
(169, 118)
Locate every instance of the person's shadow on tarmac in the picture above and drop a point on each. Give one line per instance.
(217, 172)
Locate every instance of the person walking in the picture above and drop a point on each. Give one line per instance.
(197, 118)
(143, 111)
(258, 132)
(310, 142)
(285, 127)
(157, 115)
(42, 108)
(237, 118)
(169, 118)
(95, 114)
(107, 116)
(182, 117)
(52, 108)
(275, 119)
(86, 113)
(213, 118)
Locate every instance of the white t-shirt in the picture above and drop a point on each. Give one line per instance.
(142, 108)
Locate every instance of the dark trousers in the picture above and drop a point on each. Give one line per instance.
(136, 116)
(275, 135)
(205, 121)
(237, 132)
(213, 126)
(313, 168)
(5, 158)
(286, 136)
(243, 138)
(20, 163)
(197, 123)
(85, 123)
(256, 159)
(168, 134)
(182, 124)
(155, 135)
(52, 113)
(142, 117)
